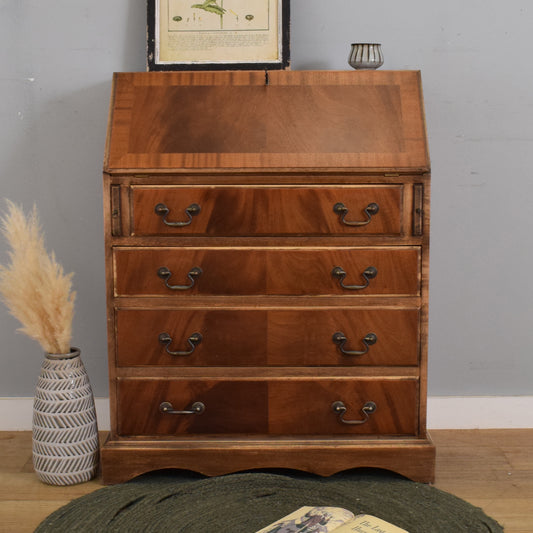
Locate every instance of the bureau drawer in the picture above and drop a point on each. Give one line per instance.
(256, 337)
(275, 406)
(241, 211)
(267, 271)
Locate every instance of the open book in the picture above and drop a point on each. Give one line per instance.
(325, 519)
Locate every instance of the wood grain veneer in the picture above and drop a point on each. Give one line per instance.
(300, 120)
(259, 337)
(253, 271)
(256, 211)
(260, 407)
(266, 166)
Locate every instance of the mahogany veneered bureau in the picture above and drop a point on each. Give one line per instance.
(267, 272)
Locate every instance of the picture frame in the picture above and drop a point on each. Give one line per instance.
(218, 34)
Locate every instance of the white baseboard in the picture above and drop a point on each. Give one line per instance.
(480, 412)
(444, 412)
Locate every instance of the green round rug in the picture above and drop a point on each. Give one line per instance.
(244, 503)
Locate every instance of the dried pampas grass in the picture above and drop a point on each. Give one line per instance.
(33, 285)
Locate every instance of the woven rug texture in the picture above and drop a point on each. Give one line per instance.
(244, 503)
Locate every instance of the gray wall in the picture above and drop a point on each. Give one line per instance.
(56, 64)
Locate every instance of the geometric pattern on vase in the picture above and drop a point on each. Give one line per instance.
(65, 446)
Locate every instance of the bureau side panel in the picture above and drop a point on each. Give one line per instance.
(111, 207)
(424, 218)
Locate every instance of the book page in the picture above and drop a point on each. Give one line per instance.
(366, 523)
(310, 520)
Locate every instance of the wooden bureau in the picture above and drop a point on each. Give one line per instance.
(267, 272)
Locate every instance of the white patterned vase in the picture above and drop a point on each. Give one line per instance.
(65, 433)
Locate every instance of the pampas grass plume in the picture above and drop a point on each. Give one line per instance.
(33, 285)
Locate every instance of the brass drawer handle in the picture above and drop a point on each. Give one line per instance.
(367, 409)
(162, 210)
(197, 408)
(340, 340)
(342, 211)
(164, 273)
(369, 273)
(194, 340)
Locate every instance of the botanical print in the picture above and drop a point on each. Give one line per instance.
(218, 31)
(210, 6)
(212, 15)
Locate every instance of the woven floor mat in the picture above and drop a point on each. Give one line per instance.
(244, 503)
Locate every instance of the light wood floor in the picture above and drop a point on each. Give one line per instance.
(492, 469)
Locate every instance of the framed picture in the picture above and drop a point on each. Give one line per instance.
(218, 34)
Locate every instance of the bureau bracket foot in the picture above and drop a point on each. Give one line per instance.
(124, 459)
